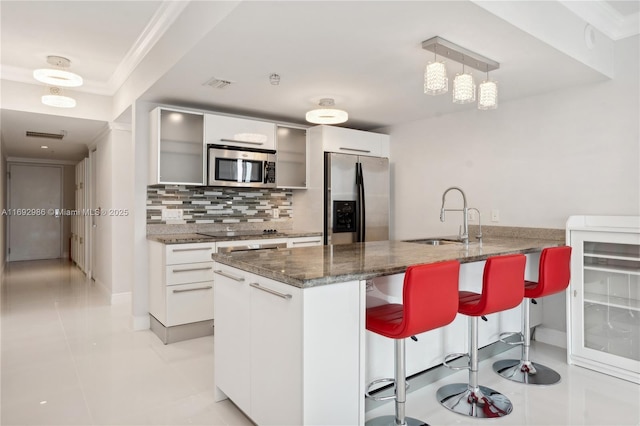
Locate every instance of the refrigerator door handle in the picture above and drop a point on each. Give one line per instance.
(360, 202)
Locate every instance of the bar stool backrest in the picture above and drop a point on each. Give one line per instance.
(554, 272)
(430, 296)
(502, 284)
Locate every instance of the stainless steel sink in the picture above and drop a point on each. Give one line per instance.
(433, 241)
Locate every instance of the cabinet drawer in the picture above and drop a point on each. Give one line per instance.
(189, 253)
(241, 132)
(189, 273)
(189, 303)
(304, 242)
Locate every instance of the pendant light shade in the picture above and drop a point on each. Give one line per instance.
(325, 114)
(464, 89)
(435, 78)
(488, 95)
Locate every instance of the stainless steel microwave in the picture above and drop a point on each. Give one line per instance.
(243, 167)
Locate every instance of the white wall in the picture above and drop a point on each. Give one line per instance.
(537, 160)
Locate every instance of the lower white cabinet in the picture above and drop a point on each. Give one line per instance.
(286, 355)
(603, 306)
(181, 282)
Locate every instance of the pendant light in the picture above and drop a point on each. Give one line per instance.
(488, 94)
(326, 114)
(464, 88)
(55, 97)
(58, 76)
(435, 77)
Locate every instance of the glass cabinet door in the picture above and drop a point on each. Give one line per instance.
(608, 303)
(181, 156)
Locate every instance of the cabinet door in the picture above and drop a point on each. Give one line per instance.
(232, 335)
(177, 145)
(276, 353)
(239, 132)
(350, 141)
(605, 298)
(291, 167)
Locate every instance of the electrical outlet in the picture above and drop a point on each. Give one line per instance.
(275, 213)
(369, 286)
(471, 215)
(171, 214)
(495, 215)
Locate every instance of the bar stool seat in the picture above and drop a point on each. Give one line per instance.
(553, 277)
(429, 301)
(502, 289)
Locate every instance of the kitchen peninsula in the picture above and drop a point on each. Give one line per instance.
(290, 338)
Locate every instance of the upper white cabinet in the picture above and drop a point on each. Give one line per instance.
(291, 162)
(239, 132)
(350, 141)
(604, 299)
(177, 149)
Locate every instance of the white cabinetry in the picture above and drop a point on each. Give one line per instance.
(350, 141)
(304, 241)
(286, 355)
(177, 149)
(291, 159)
(180, 287)
(603, 309)
(239, 132)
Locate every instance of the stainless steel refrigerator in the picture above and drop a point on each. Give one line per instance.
(356, 199)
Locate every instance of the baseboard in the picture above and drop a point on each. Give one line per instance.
(551, 336)
(104, 290)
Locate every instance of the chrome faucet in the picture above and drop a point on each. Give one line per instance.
(479, 236)
(464, 234)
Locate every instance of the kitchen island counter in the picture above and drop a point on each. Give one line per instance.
(314, 266)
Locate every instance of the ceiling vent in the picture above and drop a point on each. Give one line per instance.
(218, 83)
(46, 135)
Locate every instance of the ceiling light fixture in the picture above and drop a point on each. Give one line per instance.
(58, 76)
(55, 98)
(488, 94)
(435, 77)
(325, 114)
(464, 87)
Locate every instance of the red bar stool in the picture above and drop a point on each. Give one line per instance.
(429, 301)
(502, 289)
(553, 277)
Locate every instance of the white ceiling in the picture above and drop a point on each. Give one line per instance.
(366, 55)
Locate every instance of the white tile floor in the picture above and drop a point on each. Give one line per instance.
(70, 358)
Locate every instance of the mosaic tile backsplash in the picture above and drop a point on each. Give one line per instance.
(202, 205)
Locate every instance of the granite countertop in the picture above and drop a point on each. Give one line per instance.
(225, 236)
(313, 266)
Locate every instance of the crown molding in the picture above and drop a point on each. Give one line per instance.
(605, 18)
(165, 16)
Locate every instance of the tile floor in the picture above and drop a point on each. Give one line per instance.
(70, 358)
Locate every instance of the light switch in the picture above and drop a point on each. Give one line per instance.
(495, 215)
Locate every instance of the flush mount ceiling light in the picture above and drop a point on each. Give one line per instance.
(464, 88)
(58, 76)
(325, 114)
(55, 98)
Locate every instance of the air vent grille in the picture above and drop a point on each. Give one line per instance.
(218, 83)
(32, 134)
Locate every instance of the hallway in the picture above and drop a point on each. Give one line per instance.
(70, 358)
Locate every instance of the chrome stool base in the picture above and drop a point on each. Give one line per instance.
(528, 372)
(481, 403)
(391, 421)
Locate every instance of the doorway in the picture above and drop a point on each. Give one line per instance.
(34, 219)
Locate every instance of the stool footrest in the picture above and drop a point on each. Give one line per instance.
(503, 336)
(451, 357)
(381, 398)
